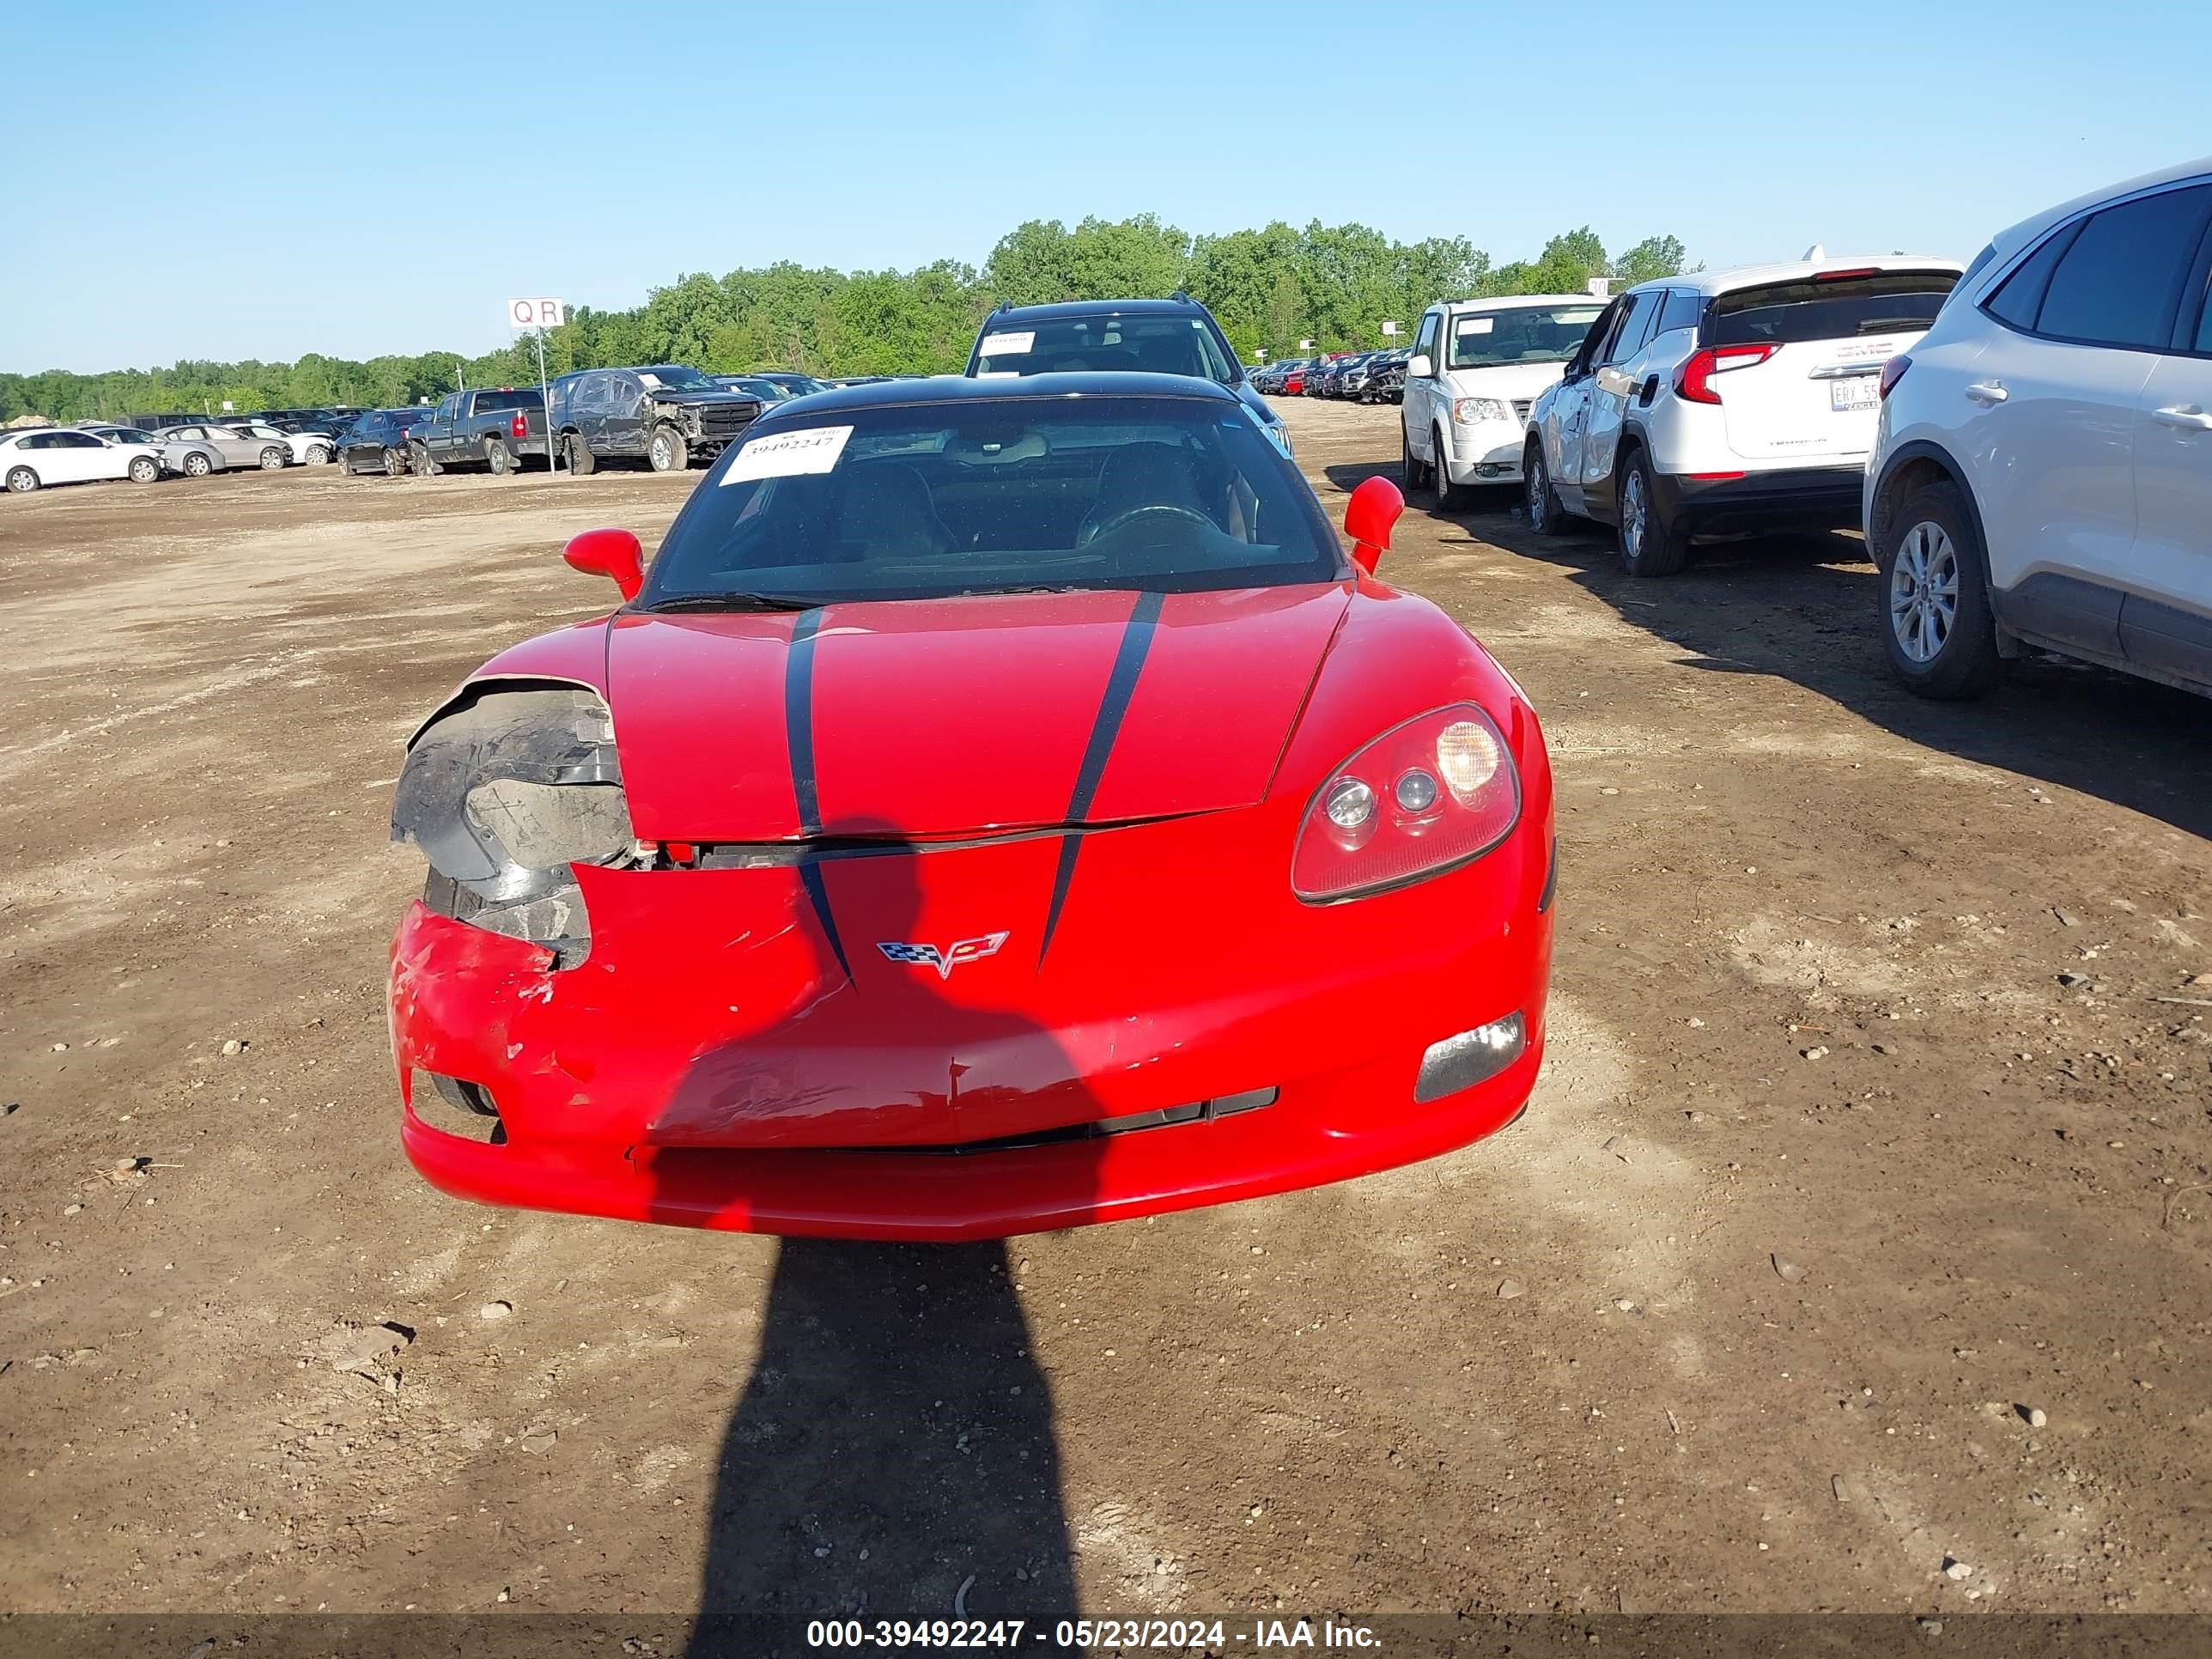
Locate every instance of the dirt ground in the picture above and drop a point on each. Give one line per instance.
(1875, 1119)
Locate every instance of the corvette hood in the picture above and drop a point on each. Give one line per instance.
(975, 715)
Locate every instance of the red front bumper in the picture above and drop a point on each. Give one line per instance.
(713, 1063)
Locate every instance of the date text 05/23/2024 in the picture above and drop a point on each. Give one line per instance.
(1165, 1635)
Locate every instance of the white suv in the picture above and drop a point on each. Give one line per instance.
(1736, 400)
(2042, 472)
(1477, 367)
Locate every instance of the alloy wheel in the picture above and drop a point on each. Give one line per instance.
(1924, 592)
(1635, 513)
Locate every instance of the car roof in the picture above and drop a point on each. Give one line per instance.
(1712, 282)
(1064, 308)
(2014, 237)
(1509, 301)
(965, 389)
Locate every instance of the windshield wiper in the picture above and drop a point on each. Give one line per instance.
(679, 601)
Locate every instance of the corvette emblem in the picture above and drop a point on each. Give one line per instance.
(945, 960)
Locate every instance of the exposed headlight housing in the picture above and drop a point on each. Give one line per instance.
(504, 796)
(1436, 791)
(1474, 411)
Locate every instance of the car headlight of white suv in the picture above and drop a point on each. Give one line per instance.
(1474, 412)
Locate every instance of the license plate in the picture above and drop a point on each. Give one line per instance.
(1854, 392)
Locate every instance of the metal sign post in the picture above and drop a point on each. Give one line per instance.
(539, 315)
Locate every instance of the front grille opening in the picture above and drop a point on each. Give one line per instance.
(1167, 1117)
(454, 1106)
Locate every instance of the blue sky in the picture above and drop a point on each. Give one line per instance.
(279, 179)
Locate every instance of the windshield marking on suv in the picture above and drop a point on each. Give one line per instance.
(1519, 334)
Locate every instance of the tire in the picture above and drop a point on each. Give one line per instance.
(21, 481)
(498, 457)
(666, 452)
(144, 469)
(1648, 546)
(197, 465)
(1545, 516)
(1936, 625)
(395, 463)
(1450, 497)
(1409, 468)
(420, 463)
(275, 459)
(317, 456)
(581, 461)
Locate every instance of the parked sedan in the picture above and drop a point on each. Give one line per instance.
(755, 386)
(308, 444)
(40, 456)
(797, 384)
(130, 436)
(235, 445)
(377, 443)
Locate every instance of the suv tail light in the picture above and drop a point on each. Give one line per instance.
(1692, 381)
(1436, 791)
(1892, 371)
(518, 426)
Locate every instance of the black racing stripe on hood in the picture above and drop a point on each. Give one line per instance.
(817, 891)
(799, 738)
(799, 719)
(1113, 705)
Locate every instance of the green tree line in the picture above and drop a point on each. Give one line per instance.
(1334, 284)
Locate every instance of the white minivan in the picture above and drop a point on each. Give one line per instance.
(1477, 367)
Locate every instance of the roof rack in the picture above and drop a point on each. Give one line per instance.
(1003, 304)
(1180, 294)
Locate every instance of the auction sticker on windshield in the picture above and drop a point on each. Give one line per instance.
(1012, 343)
(789, 454)
(1475, 324)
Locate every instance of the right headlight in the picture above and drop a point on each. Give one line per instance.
(1474, 411)
(504, 795)
(1435, 791)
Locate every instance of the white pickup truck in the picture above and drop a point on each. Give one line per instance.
(1477, 367)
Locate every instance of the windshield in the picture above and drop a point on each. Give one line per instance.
(1831, 308)
(675, 377)
(1155, 345)
(1522, 334)
(991, 496)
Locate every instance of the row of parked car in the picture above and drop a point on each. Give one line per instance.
(1360, 377)
(667, 416)
(34, 458)
(2025, 441)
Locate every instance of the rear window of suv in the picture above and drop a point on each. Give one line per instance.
(1838, 308)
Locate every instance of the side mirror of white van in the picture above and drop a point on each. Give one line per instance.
(1418, 367)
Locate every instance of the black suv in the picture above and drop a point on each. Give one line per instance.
(670, 414)
(1176, 336)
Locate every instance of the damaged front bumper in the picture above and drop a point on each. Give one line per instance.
(719, 1060)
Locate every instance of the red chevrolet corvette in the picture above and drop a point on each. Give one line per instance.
(1002, 805)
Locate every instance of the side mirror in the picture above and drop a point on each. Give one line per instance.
(1374, 507)
(1612, 380)
(611, 553)
(1418, 367)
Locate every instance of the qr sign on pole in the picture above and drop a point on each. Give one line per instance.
(536, 314)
